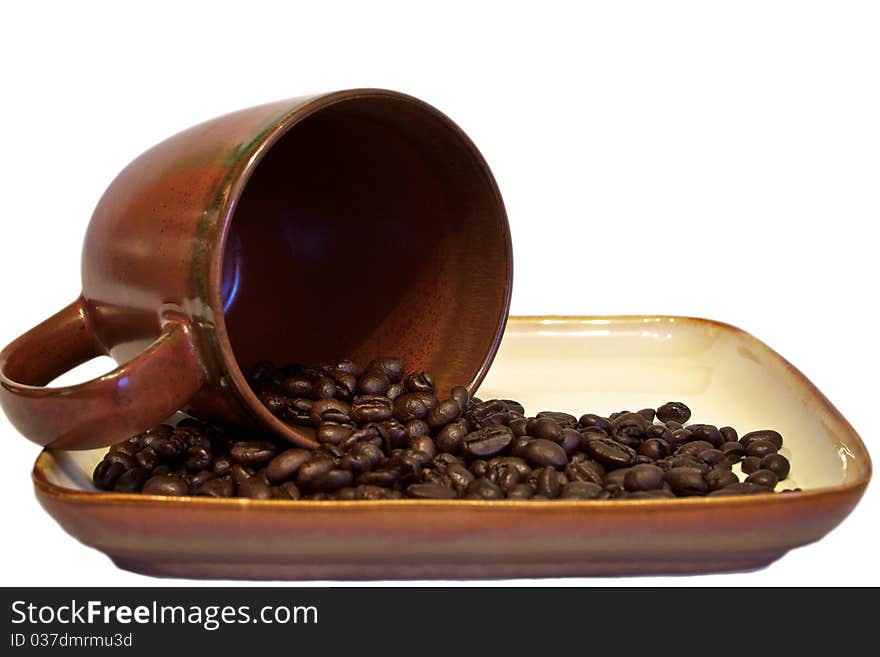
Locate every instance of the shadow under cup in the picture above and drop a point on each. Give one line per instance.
(370, 227)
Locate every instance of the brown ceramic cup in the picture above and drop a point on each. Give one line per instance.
(345, 225)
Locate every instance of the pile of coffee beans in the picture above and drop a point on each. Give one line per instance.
(385, 434)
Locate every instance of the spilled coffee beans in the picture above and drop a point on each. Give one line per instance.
(388, 434)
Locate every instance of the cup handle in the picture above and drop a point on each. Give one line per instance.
(128, 400)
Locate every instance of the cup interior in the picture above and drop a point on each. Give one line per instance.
(370, 227)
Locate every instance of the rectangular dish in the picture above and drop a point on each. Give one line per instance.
(575, 364)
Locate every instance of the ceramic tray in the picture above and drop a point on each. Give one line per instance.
(574, 364)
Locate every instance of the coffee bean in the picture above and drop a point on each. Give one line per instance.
(562, 419)
(450, 437)
(252, 453)
(390, 367)
(686, 482)
(750, 464)
(275, 404)
(383, 478)
(729, 434)
(540, 452)
(416, 429)
(647, 413)
(394, 391)
(643, 477)
(330, 410)
(373, 383)
(547, 483)
(777, 464)
(413, 406)
(165, 485)
(285, 465)
(332, 480)
(544, 428)
(489, 413)
(733, 450)
(217, 487)
(521, 492)
(764, 434)
(371, 408)
(611, 453)
(419, 382)
(585, 470)
(487, 442)
(693, 448)
(591, 421)
(460, 476)
(106, 473)
(131, 480)
(761, 447)
(580, 490)
(460, 394)
(766, 478)
(483, 489)
(719, 478)
(654, 449)
(741, 488)
(442, 414)
(430, 492)
(323, 387)
(674, 411)
(255, 489)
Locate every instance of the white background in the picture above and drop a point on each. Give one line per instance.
(697, 158)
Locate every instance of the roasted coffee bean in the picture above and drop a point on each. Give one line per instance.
(285, 465)
(450, 437)
(239, 473)
(540, 453)
(131, 481)
(106, 473)
(394, 391)
(297, 386)
(383, 478)
(416, 429)
(729, 434)
(442, 414)
(346, 385)
(216, 487)
(766, 478)
(547, 482)
(580, 490)
(777, 464)
(479, 468)
(686, 482)
(647, 413)
(715, 457)
(165, 485)
(252, 453)
(168, 449)
(349, 367)
(460, 476)
(504, 475)
(323, 387)
(255, 489)
(413, 406)
(674, 411)
(330, 410)
(562, 419)
(521, 492)
(371, 408)
(688, 461)
(390, 367)
(419, 382)
(707, 433)
(198, 458)
(424, 444)
(487, 442)
(654, 449)
(483, 489)
(299, 411)
(199, 478)
(643, 477)
(733, 450)
(489, 413)
(460, 394)
(519, 426)
(741, 488)
(610, 453)
(333, 432)
(275, 404)
(761, 447)
(515, 462)
(693, 448)
(392, 433)
(544, 427)
(585, 470)
(126, 447)
(309, 473)
(592, 421)
(764, 434)
(430, 492)
(719, 478)
(750, 464)
(514, 407)
(332, 481)
(147, 458)
(372, 383)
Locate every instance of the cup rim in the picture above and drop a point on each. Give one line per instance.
(299, 111)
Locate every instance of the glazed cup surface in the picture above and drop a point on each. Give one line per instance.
(346, 225)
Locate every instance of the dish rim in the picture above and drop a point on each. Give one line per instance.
(859, 454)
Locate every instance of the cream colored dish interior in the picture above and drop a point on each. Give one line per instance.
(602, 365)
